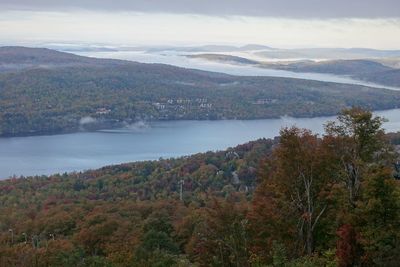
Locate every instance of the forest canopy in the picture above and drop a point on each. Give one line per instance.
(298, 200)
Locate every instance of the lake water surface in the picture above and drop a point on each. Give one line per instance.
(80, 151)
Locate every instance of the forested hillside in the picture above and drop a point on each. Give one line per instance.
(363, 69)
(390, 77)
(43, 92)
(297, 200)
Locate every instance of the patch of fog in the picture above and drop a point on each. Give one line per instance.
(185, 83)
(87, 120)
(136, 127)
(229, 84)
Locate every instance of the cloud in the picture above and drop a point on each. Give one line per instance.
(29, 28)
(263, 8)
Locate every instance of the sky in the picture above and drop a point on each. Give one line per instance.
(278, 23)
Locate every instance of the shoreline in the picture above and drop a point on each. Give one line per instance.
(91, 128)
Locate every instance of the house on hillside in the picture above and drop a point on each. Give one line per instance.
(102, 111)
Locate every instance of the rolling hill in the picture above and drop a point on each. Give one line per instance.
(49, 92)
(362, 69)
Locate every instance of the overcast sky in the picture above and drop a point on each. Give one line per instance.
(287, 23)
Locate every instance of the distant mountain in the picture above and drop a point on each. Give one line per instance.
(389, 77)
(90, 49)
(259, 50)
(393, 62)
(212, 48)
(366, 70)
(341, 67)
(362, 69)
(251, 47)
(328, 53)
(205, 48)
(80, 93)
(268, 52)
(225, 59)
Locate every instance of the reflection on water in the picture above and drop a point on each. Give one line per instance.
(70, 152)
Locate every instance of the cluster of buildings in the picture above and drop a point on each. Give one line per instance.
(264, 101)
(182, 102)
(102, 111)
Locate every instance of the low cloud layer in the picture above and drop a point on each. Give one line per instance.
(27, 27)
(268, 8)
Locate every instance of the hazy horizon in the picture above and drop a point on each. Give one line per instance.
(283, 24)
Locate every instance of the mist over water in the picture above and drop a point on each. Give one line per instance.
(144, 141)
(179, 59)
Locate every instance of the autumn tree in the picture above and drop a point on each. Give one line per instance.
(363, 159)
(357, 140)
(300, 183)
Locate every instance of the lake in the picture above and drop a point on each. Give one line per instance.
(38, 155)
(179, 59)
